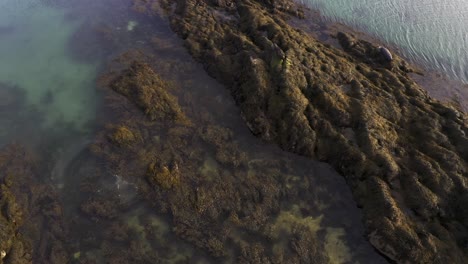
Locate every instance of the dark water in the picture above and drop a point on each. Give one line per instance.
(429, 32)
(51, 54)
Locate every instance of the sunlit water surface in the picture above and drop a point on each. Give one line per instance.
(430, 32)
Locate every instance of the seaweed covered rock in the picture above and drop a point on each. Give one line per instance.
(222, 201)
(147, 91)
(163, 176)
(402, 152)
(123, 136)
(10, 221)
(31, 226)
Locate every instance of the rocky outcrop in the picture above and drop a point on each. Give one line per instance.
(228, 204)
(147, 91)
(31, 216)
(403, 153)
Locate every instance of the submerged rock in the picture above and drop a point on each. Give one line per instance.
(230, 204)
(406, 164)
(31, 224)
(124, 136)
(147, 90)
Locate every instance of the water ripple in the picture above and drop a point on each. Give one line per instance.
(431, 32)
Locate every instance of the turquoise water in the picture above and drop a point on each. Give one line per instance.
(34, 59)
(430, 32)
(48, 98)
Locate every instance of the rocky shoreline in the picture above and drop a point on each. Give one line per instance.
(438, 85)
(236, 205)
(31, 219)
(403, 153)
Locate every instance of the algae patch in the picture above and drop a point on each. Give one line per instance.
(131, 25)
(210, 168)
(337, 250)
(287, 219)
(77, 255)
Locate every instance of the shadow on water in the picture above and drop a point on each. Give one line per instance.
(108, 213)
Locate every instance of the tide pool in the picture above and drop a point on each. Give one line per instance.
(34, 59)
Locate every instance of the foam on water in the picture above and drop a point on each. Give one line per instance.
(431, 32)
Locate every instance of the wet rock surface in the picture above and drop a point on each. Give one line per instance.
(231, 203)
(31, 217)
(168, 179)
(403, 153)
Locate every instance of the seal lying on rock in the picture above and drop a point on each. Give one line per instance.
(386, 53)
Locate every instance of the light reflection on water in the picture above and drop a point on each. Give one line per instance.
(431, 32)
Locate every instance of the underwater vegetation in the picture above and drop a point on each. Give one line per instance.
(227, 203)
(168, 179)
(146, 90)
(31, 218)
(403, 153)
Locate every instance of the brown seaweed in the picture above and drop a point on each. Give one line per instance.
(402, 152)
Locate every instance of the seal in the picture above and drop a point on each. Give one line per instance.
(385, 53)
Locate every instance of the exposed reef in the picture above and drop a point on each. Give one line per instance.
(232, 205)
(403, 153)
(146, 90)
(207, 211)
(31, 221)
(169, 178)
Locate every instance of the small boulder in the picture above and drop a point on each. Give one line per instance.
(386, 54)
(345, 40)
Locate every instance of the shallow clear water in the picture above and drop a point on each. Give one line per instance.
(50, 57)
(431, 32)
(34, 59)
